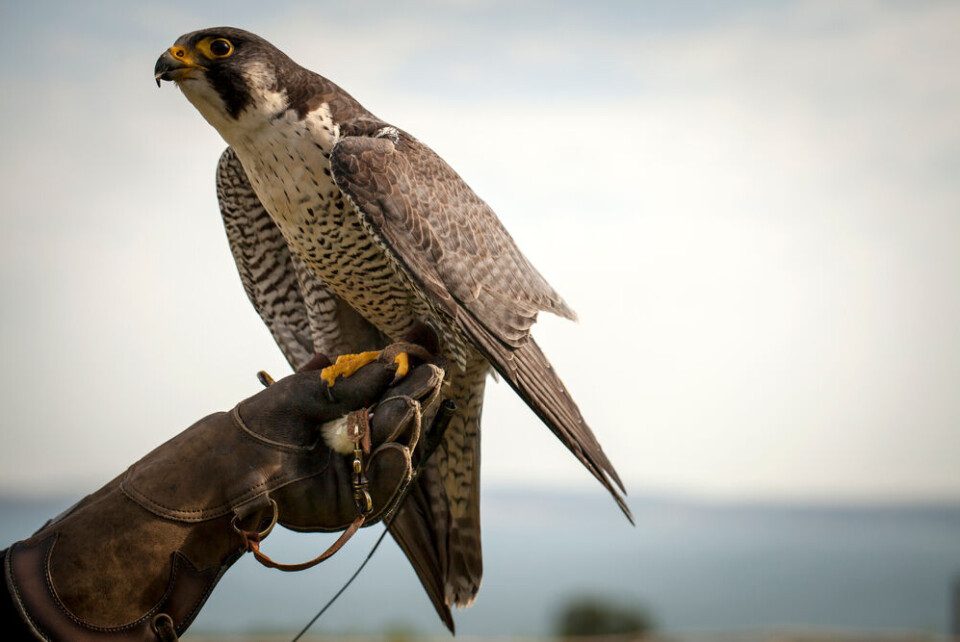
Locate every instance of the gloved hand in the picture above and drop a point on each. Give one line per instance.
(137, 559)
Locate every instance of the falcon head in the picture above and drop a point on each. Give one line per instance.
(236, 79)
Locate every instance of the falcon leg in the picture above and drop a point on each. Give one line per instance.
(347, 364)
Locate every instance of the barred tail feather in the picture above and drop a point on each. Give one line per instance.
(417, 528)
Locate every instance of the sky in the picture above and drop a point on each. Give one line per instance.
(754, 208)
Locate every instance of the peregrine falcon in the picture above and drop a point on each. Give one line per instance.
(347, 233)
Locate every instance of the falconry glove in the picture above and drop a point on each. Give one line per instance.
(137, 559)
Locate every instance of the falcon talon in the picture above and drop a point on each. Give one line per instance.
(403, 366)
(264, 378)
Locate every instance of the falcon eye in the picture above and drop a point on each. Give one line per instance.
(221, 48)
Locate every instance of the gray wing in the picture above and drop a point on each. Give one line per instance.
(302, 314)
(456, 250)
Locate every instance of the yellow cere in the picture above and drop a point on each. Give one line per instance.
(183, 55)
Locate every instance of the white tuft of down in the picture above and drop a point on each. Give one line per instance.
(335, 435)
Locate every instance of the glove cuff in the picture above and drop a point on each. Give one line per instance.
(27, 570)
(107, 570)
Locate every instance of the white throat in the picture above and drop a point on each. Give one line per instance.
(265, 104)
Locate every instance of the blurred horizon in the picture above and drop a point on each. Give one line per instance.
(692, 567)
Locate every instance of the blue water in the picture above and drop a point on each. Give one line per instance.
(690, 565)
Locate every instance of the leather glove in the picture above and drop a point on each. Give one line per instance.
(137, 559)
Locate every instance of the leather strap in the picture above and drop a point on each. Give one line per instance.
(251, 542)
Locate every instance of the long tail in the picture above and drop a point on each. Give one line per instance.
(528, 372)
(535, 380)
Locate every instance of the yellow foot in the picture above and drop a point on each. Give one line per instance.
(346, 365)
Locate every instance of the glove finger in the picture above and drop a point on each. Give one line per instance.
(322, 502)
(306, 397)
(396, 419)
(420, 383)
(360, 389)
(389, 471)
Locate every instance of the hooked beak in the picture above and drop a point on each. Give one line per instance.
(175, 63)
